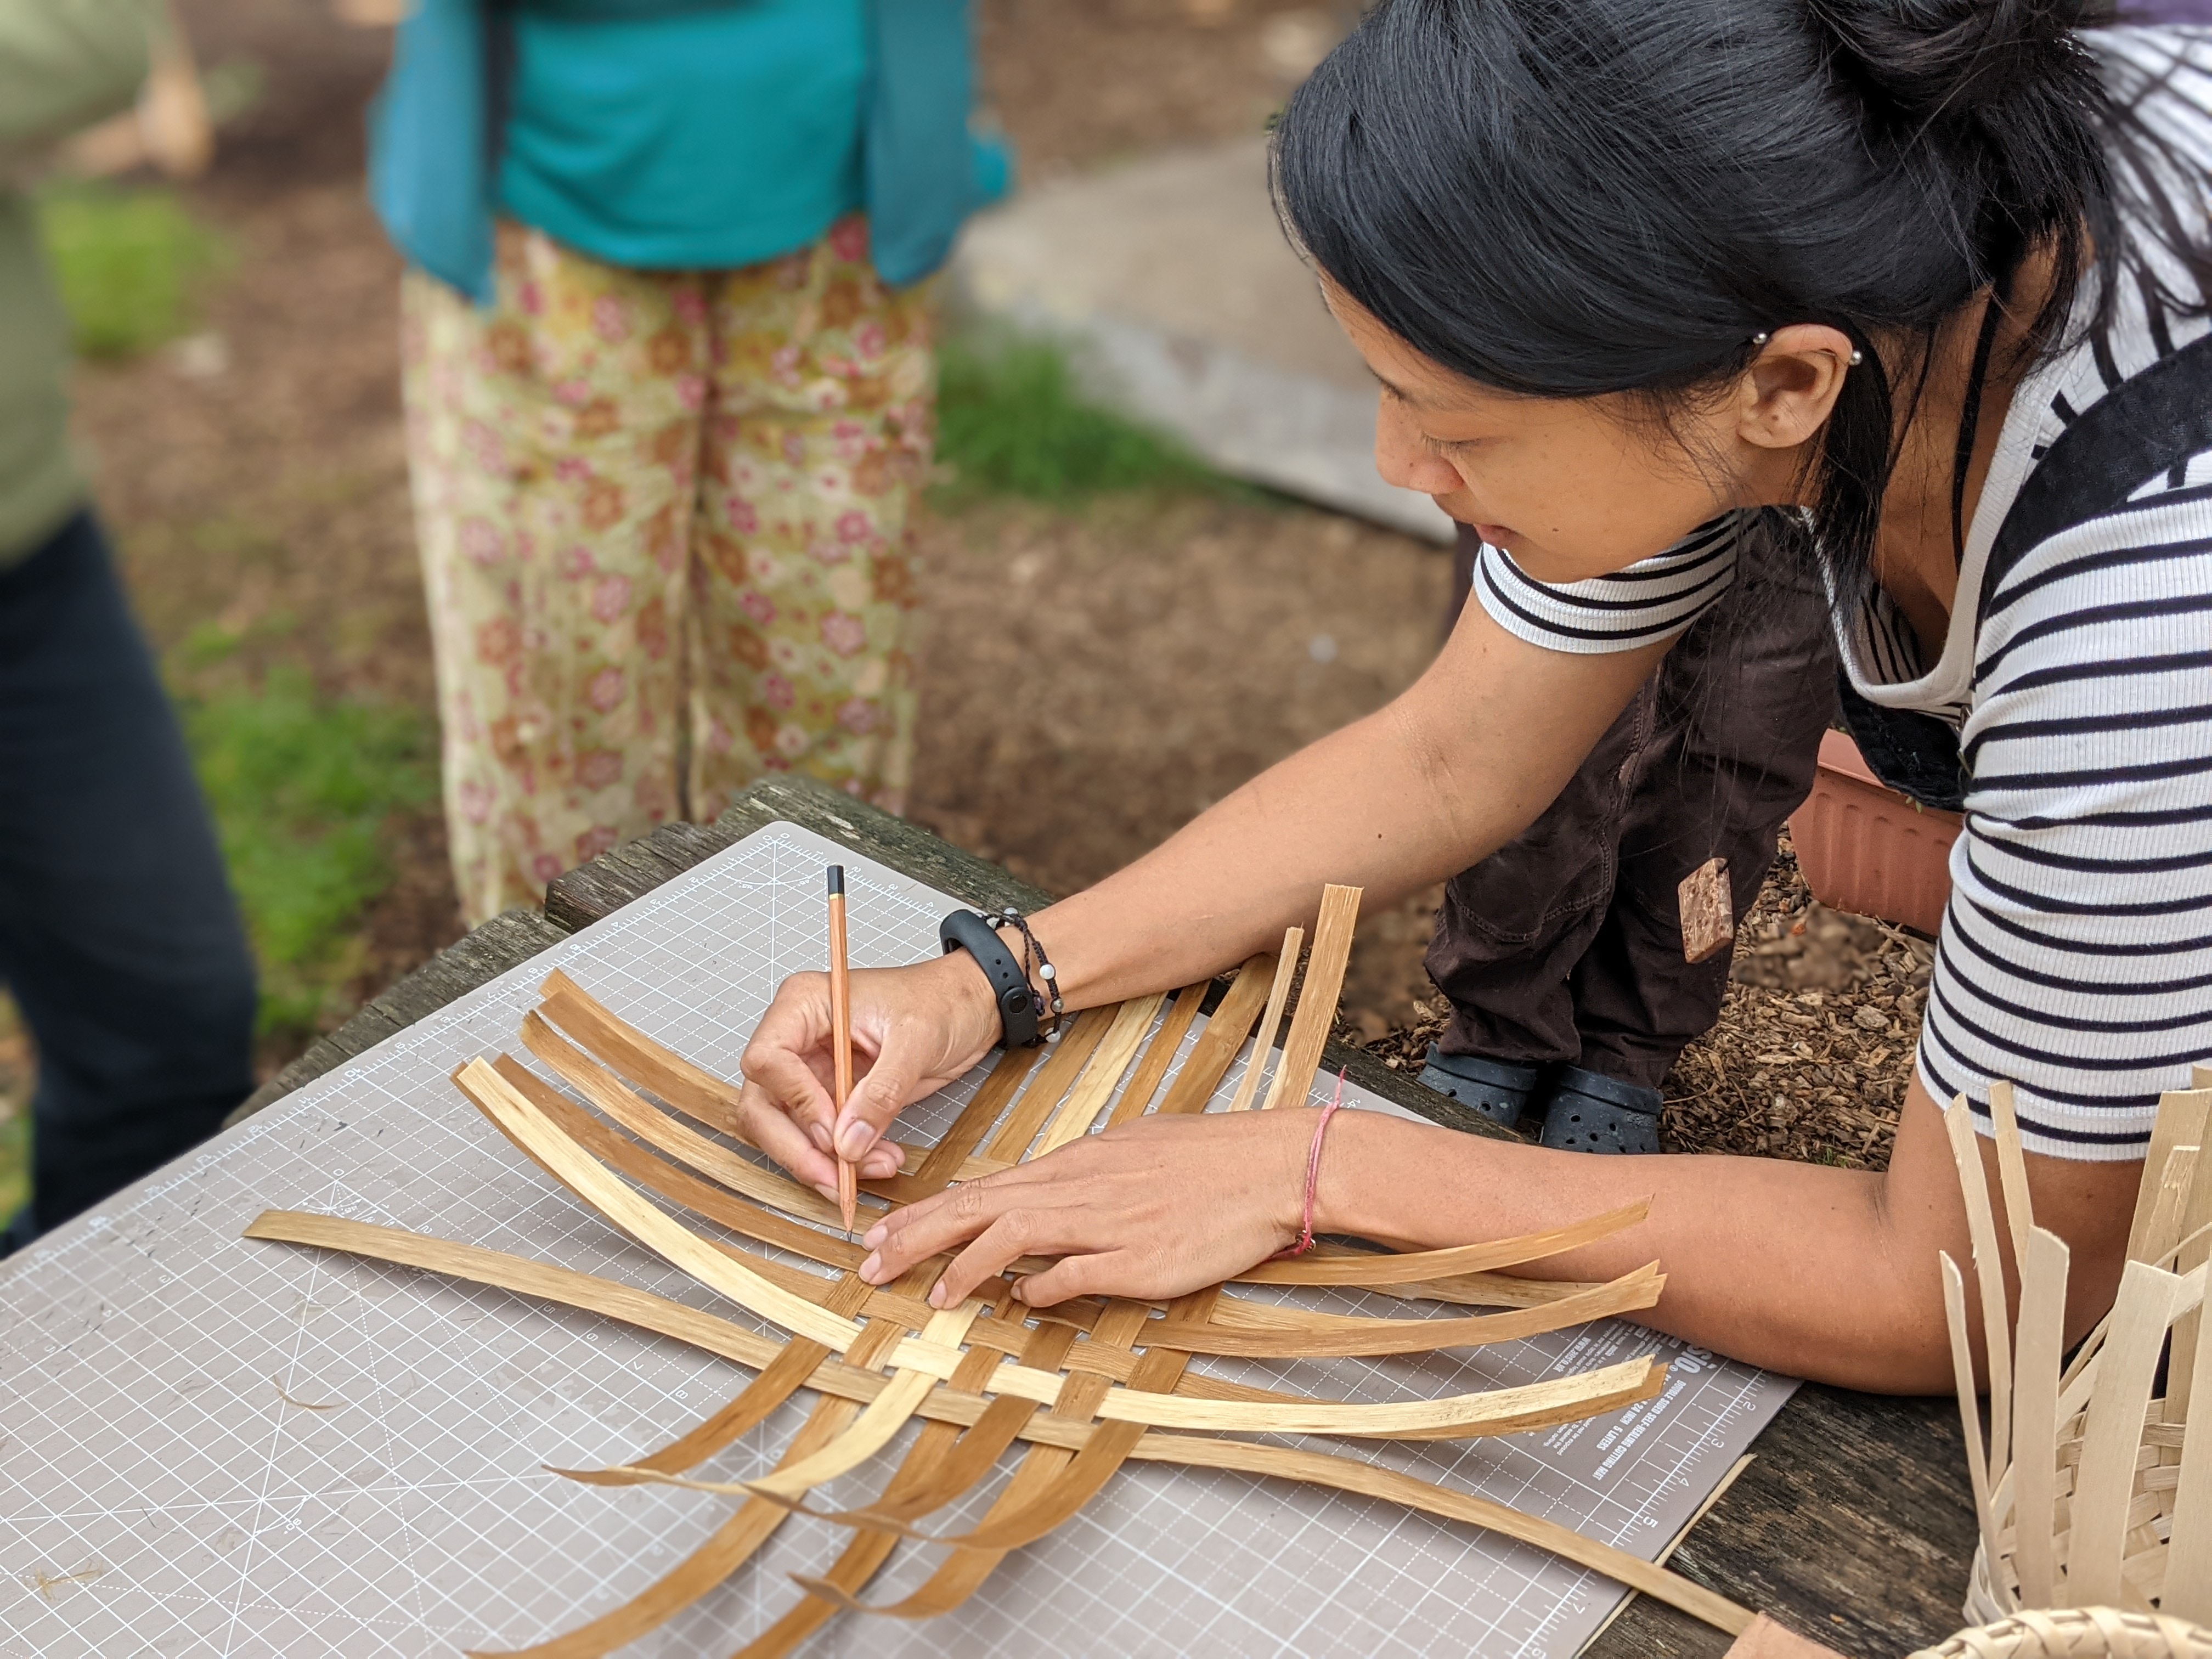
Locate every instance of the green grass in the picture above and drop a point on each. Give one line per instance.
(303, 787)
(1010, 421)
(14, 1111)
(15, 1165)
(131, 263)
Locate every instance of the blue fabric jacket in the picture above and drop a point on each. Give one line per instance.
(432, 154)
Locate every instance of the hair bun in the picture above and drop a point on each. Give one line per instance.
(1993, 103)
(1941, 63)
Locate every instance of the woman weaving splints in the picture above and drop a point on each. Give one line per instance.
(1665, 295)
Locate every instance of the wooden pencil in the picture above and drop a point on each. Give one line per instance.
(840, 1040)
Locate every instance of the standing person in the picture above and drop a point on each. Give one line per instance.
(119, 937)
(1916, 297)
(1561, 953)
(670, 395)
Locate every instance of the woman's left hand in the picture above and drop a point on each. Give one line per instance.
(1150, 1209)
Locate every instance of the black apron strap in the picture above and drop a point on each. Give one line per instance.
(1915, 754)
(2144, 425)
(2149, 423)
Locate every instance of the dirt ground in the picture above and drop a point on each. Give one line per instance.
(1163, 650)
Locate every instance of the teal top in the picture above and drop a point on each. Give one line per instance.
(702, 139)
(721, 132)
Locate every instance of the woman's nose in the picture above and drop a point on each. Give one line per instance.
(1402, 459)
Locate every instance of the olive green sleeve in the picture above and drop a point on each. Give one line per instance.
(67, 63)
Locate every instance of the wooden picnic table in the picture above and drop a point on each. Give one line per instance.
(1853, 1523)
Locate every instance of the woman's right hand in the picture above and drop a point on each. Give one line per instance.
(914, 1029)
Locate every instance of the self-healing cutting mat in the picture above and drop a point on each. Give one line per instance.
(209, 1445)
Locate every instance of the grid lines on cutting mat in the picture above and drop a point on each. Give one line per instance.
(493, 1547)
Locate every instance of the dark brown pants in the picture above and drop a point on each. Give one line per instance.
(1566, 944)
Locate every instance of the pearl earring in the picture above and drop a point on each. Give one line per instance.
(1759, 338)
(1857, 357)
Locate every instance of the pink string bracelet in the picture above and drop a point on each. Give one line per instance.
(1313, 1176)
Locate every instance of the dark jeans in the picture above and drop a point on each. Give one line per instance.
(119, 937)
(1566, 944)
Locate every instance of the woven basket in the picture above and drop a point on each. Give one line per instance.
(2078, 1633)
(2091, 1488)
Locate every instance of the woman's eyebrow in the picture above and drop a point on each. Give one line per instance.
(1389, 386)
(1445, 406)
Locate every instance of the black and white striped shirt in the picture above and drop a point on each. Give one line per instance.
(2076, 957)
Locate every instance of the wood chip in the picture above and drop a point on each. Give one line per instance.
(1708, 907)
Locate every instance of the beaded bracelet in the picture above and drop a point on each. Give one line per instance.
(1313, 1176)
(1039, 968)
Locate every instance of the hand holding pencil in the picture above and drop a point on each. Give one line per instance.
(832, 1063)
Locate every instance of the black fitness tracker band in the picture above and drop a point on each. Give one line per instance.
(1018, 1004)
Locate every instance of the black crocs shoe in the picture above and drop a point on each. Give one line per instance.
(1497, 1089)
(1590, 1112)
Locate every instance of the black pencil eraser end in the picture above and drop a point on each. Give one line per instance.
(836, 880)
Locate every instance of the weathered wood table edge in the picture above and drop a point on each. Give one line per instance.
(1853, 1523)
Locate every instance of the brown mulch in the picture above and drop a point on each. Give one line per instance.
(1812, 1052)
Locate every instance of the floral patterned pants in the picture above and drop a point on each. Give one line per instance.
(665, 528)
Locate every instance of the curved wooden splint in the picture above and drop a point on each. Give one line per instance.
(1084, 1388)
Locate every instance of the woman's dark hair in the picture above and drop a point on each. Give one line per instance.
(1569, 197)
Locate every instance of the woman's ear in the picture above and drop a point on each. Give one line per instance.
(1793, 385)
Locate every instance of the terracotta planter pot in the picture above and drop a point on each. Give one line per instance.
(1866, 848)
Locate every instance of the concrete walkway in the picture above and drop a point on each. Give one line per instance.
(1181, 304)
